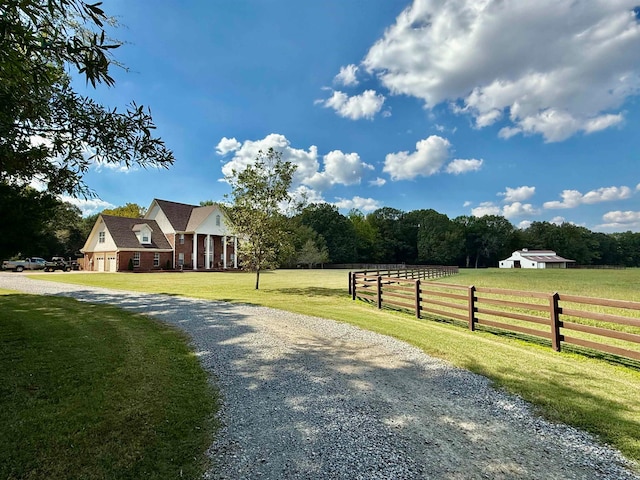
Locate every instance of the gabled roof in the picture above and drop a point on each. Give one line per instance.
(545, 258)
(199, 215)
(122, 231)
(178, 214)
(541, 256)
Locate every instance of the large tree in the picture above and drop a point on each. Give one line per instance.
(131, 210)
(258, 194)
(335, 228)
(49, 132)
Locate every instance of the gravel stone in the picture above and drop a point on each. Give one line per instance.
(310, 398)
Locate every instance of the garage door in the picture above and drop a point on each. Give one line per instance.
(111, 263)
(100, 263)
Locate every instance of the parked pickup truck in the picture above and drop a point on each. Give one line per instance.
(59, 263)
(32, 263)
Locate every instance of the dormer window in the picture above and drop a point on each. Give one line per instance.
(143, 233)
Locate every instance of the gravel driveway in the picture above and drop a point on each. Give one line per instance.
(308, 398)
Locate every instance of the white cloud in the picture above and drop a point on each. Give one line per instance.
(555, 75)
(459, 166)
(515, 209)
(339, 168)
(558, 220)
(88, 206)
(518, 194)
(306, 161)
(621, 221)
(378, 182)
(226, 145)
(467, 204)
(365, 105)
(428, 158)
(573, 198)
(359, 203)
(607, 194)
(347, 76)
(524, 224)
(306, 195)
(486, 208)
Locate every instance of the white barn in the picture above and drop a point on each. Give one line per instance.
(526, 258)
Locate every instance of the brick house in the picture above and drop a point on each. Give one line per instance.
(171, 235)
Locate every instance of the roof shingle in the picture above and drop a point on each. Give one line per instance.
(121, 230)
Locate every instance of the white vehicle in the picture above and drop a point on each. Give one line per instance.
(31, 263)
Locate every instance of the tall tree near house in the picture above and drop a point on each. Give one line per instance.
(49, 132)
(130, 210)
(258, 193)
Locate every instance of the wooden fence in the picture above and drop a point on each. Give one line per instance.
(610, 326)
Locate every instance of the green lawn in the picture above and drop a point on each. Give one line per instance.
(93, 392)
(595, 395)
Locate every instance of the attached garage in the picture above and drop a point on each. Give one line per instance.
(100, 263)
(111, 263)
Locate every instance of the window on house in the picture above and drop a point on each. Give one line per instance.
(145, 238)
(181, 239)
(218, 220)
(156, 259)
(101, 237)
(136, 259)
(181, 259)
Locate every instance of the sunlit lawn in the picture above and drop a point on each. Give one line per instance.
(593, 394)
(94, 392)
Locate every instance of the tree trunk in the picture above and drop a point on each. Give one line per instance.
(257, 278)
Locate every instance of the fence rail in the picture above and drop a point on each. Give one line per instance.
(605, 325)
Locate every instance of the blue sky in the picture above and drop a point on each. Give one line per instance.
(527, 109)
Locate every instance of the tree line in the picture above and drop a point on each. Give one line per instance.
(38, 224)
(426, 236)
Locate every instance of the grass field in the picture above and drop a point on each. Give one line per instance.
(93, 392)
(592, 394)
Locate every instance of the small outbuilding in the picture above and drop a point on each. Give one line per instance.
(526, 258)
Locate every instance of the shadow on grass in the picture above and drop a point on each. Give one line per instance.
(312, 292)
(303, 401)
(598, 415)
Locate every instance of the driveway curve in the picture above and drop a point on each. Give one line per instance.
(307, 398)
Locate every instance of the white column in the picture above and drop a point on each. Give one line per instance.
(224, 251)
(235, 252)
(195, 251)
(207, 253)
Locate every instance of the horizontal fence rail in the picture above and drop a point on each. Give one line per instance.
(604, 325)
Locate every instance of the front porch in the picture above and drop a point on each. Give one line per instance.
(214, 252)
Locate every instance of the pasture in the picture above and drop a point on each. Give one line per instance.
(590, 393)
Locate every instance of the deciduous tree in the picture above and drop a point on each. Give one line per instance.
(258, 193)
(49, 132)
(131, 210)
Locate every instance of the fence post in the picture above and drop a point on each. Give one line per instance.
(554, 312)
(379, 291)
(472, 307)
(350, 283)
(418, 298)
